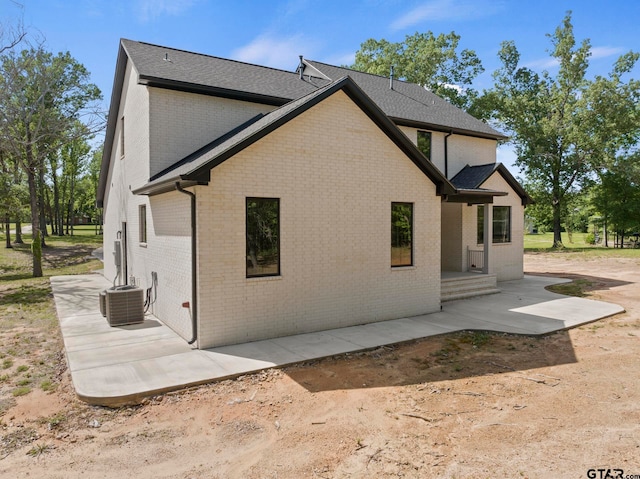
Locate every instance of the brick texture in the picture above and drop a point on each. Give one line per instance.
(199, 119)
(168, 248)
(336, 175)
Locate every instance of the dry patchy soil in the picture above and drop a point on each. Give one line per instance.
(462, 405)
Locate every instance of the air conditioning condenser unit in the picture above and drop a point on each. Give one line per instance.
(124, 305)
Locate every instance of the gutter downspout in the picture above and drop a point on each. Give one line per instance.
(446, 155)
(194, 276)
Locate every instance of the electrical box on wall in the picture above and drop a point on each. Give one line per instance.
(117, 253)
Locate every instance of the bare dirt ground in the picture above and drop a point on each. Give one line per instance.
(463, 405)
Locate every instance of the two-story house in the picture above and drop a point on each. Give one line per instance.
(254, 203)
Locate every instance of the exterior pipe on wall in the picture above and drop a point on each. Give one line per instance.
(194, 275)
(446, 155)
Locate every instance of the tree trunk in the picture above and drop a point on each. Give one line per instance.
(57, 213)
(41, 207)
(8, 229)
(35, 216)
(557, 224)
(18, 239)
(71, 215)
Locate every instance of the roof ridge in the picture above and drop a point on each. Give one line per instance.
(211, 56)
(366, 73)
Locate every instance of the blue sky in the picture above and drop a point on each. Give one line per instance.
(275, 32)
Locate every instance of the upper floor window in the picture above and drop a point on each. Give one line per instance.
(263, 237)
(401, 234)
(424, 143)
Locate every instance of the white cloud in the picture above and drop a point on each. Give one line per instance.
(596, 53)
(275, 52)
(151, 9)
(438, 10)
(604, 52)
(543, 63)
(339, 59)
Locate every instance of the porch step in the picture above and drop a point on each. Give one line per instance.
(467, 286)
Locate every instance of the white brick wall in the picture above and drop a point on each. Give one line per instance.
(466, 150)
(128, 171)
(183, 122)
(168, 247)
(336, 175)
(507, 258)
(461, 150)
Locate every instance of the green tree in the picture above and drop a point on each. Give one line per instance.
(42, 96)
(435, 62)
(565, 128)
(617, 197)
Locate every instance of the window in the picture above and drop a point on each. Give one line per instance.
(501, 224)
(122, 137)
(401, 234)
(263, 237)
(142, 223)
(480, 239)
(424, 143)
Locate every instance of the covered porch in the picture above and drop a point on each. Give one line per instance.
(481, 231)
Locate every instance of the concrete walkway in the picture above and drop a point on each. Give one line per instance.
(119, 365)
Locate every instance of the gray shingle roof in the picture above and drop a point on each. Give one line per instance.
(409, 102)
(472, 178)
(198, 70)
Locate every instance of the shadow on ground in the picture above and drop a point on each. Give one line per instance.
(589, 283)
(440, 358)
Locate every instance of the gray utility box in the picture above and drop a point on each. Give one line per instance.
(124, 305)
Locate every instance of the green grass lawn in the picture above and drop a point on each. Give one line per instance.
(30, 344)
(543, 243)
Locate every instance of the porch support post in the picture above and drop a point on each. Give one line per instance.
(487, 236)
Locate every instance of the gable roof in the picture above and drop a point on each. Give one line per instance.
(196, 168)
(407, 103)
(157, 66)
(471, 178)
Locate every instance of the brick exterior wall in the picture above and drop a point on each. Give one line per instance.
(506, 259)
(336, 175)
(461, 150)
(466, 150)
(181, 123)
(459, 221)
(168, 248)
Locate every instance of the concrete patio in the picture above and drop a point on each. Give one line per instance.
(112, 366)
